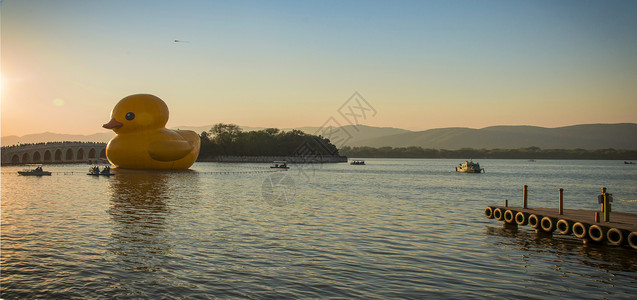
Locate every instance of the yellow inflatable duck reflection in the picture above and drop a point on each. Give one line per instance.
(142, 141)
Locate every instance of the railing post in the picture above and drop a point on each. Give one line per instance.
(596, 217)
(602, 200)
(561, 197)
(524, 196)
(606, 205)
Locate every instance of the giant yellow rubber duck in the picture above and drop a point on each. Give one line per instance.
(143, 142)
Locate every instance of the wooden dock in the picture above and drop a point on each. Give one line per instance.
(604, 227)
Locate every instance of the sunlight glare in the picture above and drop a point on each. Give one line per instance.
(58, 102)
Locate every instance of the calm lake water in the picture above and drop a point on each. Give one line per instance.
(394, 228)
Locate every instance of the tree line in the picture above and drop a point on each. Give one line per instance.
(521, 153)
(230, 139)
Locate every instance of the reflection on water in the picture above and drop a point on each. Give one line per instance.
(615, 259)
(139, 210)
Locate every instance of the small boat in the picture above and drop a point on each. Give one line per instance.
(282, 165)
(469, 167)
(95, 171)
(35, 172)
(357, 162)
(629, 163)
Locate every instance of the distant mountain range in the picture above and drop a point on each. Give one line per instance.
(55, 137)
(586, 136)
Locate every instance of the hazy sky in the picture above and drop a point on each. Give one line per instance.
(420, 64)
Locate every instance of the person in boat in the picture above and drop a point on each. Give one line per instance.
(107, 170)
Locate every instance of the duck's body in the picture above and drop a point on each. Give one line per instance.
(162, 149)
(142, 142)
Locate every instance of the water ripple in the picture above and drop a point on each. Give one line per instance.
(407, 229)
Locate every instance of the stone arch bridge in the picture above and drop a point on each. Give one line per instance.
(54, 153)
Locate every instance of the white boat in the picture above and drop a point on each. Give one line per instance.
(282, 165)
(469, 167)
(35, 172)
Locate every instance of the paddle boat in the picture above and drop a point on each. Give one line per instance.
(34, 172)
(469, 167)
(281, 165)
(95, 171)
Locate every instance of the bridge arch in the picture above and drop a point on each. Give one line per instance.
(92, 154)
(80, 155)
(58, 156)
(69, 155)
(25, 158)
(37, 157)
(47, 157)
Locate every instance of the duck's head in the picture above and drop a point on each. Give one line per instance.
(138, 112)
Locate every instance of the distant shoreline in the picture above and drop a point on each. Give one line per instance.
(269, 159)
(383, 152)
(466, 153)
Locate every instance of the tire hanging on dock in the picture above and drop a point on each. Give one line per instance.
(534, 221)
(509, 216)
(564, 226)
(548, 224)
(632, 239)
(522, 218)
(498, 214)
(616, 236)
(580, 229)
(597, 233)
(488, 212)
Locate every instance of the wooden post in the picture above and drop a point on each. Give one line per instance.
(524, 196)
(561, 207)
(596, 217)
(606, 205)
(603, 192)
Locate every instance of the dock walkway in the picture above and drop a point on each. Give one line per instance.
(605, 227)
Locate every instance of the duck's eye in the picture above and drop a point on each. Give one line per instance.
(130, 116)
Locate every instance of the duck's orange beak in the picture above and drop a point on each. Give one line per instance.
(112, 124)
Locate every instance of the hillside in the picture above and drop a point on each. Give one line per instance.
(588, 136)
(55, 137)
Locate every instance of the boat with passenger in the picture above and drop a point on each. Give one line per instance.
(357, 162)
(38, 171)
(95, 171)
(281, 165)
(469, 167)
